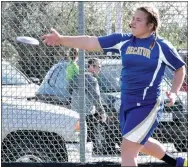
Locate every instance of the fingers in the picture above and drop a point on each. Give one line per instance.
(170, 103)
(49, 35)
(50, 39)
(53, 31)
(48, 42)
(45, 36)
(172, 98)
(167, 94)
(47, 39)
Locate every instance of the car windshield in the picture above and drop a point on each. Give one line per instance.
(109, 78)
(12, 76)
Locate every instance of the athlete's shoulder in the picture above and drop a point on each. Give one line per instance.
(120, 36)
(164, 43)
(167, 47)
(125, 36)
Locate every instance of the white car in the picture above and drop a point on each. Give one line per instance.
(15, 83)
(33, 130)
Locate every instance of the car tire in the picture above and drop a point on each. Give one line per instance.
(33, 146)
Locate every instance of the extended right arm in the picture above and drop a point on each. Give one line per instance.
(89, 43)
(109, 43)
(84, 42)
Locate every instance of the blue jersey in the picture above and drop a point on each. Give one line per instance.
(142, 67)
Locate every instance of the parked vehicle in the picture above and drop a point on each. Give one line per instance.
(53, 88)
(32, 131)
(173, 124)
(16, 84)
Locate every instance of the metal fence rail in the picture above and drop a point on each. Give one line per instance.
(38, 121)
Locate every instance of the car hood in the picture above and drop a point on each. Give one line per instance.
(19, 91)
(32, 105)
(22, 114)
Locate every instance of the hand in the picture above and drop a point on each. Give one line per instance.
(103, 117)
(172, 98)
(52, 39)
(100, 117)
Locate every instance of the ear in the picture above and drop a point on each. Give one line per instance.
(151, 26)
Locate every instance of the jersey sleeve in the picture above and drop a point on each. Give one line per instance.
(171, 57)
(113, 42)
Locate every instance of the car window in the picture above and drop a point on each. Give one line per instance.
(53, 76)
(109, 78)
(12, 76)
(56, 76)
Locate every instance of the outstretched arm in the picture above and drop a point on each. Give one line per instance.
(84, 42)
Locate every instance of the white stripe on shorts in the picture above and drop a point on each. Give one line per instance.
(140, 131)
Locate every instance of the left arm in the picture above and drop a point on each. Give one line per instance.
(178, 80)
(174, 61)
(176, 85)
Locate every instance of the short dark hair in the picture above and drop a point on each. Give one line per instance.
(73, 53)
(93, 62)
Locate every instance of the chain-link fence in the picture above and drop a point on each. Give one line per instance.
(40, 120)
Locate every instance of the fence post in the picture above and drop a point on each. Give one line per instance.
(81, 84)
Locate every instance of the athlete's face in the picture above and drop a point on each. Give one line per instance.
(139, 26)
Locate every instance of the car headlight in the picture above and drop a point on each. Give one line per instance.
(117, 104)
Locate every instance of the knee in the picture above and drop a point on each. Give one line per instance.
(129, 148)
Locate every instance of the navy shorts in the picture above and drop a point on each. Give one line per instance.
(139, 120)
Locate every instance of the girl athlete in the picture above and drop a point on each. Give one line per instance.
(144, 57)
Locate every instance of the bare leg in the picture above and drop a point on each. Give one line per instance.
(154, 148)
(129, 152)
